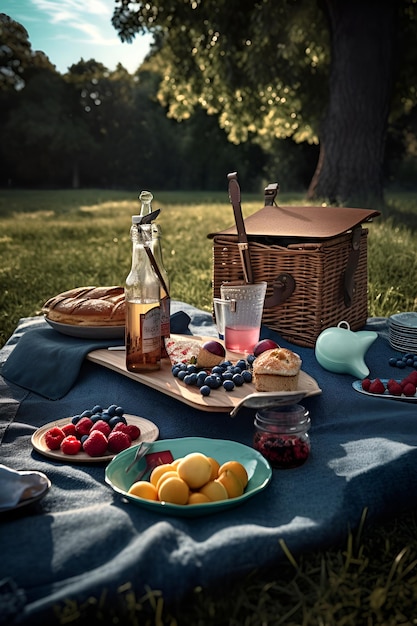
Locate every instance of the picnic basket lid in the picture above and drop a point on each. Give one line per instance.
(314, 222)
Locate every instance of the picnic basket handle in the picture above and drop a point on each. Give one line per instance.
(283, 287)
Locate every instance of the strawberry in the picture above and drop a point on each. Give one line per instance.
(95, 444)
(410, 378)
(366, 383)
(394, 387)
(376, 386)
(103, 426)
(118, 441)
(409, 390)
(53, 437)
(70, 445)
(84, 426)
(69, 429)
(130, 429)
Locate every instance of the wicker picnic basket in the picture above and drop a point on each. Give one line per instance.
(314, 260)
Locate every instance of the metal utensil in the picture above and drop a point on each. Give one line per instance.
(140, 452)
(268, 399)
(234, 195)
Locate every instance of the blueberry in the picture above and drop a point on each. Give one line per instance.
(228, 385)
(190, 379)
(227, 376)
(400, 364)
(242, 364)
(95, 417)
(250, 358)
(182, 374)
(213, 381)
(238, 380)
(392, 361)
(105, 416)
(205, 390)
(247, 376)
(86, 413)
(119, 411)
(410, 362)
(116, 419)
(83, 438)
(111, 410)
(75, 419)
(175, 370)
(97, 409)
(217, 370)
(191, 368)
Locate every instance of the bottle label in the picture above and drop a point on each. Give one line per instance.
(165, 316)
(150, 324)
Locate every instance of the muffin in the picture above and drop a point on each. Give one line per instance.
(276, 370)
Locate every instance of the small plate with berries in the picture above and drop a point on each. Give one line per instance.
(404, 389)
(93, 436)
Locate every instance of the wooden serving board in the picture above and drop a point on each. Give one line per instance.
(162, 380)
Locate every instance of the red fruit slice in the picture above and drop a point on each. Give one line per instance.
(394, 387)
(118, 441)
(69, 429)
(130, 429)
(103, 426)
(366, 383)
(70, 445)
(409, 390)
(95, 444)
(53, 437)
(84, 426)
(376, 386)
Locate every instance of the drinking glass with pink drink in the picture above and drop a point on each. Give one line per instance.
(239, 314)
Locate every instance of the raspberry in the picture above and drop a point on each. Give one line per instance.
(53, 437)
(95, 444)
(84, 426)
(70, 445)
(409, 390)
(118, 441)
(376, 386)
(394, 387)
(410, 378)
(130, 429)
(103, 426)
(366, 383)
(69, 429)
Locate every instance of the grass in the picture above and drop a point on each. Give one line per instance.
(55, 240)
(51, 241)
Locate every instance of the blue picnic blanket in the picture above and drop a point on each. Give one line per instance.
(83, 540)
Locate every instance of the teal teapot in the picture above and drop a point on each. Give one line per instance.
(340, 350)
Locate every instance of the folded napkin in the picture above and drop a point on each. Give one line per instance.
(48, 362)
(16, 486)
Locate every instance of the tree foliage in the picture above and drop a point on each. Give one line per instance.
(299, 70)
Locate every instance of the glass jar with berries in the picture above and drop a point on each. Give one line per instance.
(281, 435)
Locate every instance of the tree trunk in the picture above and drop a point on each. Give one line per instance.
(354, 127)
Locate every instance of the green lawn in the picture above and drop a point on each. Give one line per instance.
(55, 240)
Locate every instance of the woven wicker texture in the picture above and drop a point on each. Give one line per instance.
(318, 269)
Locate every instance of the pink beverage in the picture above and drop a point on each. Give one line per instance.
(241, 338)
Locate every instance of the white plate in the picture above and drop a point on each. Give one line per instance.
(408, 319)
(357, 385)
(88, 332)
(43, 487)
(257, 467)
(148, 432)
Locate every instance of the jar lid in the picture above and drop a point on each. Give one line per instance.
(293, 417)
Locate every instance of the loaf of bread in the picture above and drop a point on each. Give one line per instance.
(276, 370)
(88, 306)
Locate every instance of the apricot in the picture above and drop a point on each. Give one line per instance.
(174, 490)
(238, 469)
(214, 491)
(195, 468)
(143, 489)
(158, 471)
(231, 482)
